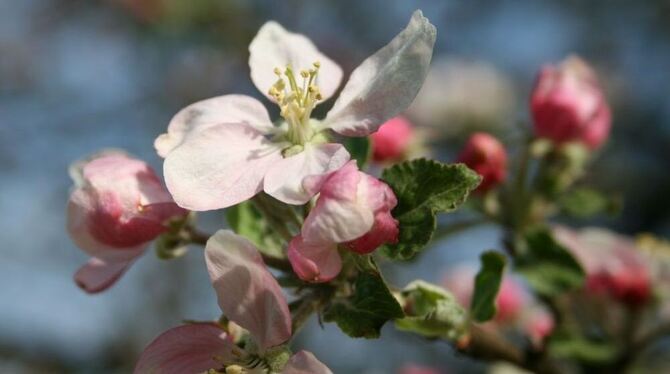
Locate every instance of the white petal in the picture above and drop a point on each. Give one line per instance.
(215, 111)
(248, 294)
(386, 82)
(218, 167)
(305, 362)
(284, 181)
(274, 47)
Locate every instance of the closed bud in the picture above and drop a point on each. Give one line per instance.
(568, 105)
(486, 155)
(392, 141)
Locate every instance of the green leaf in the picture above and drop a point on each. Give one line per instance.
(432, 312)
(587, 202)
(365, 312)
(247, 221)
(424, 188)
(548, 266)
(582, 349)
(487, 285)
(359, 148)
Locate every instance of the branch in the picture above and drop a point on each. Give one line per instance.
(491, 346)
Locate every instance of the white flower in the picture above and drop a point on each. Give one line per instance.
(222, 151)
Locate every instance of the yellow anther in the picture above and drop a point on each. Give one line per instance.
(277, 71)
(317, 64)
(304, 73)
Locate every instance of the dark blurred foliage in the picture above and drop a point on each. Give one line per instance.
(79, 75)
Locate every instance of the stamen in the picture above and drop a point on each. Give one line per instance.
(297, 101)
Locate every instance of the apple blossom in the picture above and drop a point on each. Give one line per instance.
(354, 210)
(537, 323)
(392, 141)
(511, 299)
(222, 151)
(568, 104)
(416, 369)
(249, 296)
(117, 207)
(487, 156)
(612, 263)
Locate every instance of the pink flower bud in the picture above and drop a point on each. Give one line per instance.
(612, 263)
(118, 206)
(486, 155)
(353, 209)
(538, 324)
(416, 369)
(392, 140)
(511, 300)
(567, 104)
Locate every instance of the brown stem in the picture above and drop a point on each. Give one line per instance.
(491, 346)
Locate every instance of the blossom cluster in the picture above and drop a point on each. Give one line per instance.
(223, 151)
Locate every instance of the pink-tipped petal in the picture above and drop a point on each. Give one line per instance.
(386, 82)
(284, 181)
(214, 111)
(188, 349)
(98, 275)
(314, 262)
(341, 214)
(248, 294)
(305, 362)
(274, 47)
(220, 166)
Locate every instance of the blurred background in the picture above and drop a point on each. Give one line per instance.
(80, 75)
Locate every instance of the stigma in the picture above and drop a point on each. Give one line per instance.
(296, 100)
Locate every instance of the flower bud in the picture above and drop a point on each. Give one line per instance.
(567, 104)
(486, 155)
(354, 210)
(612, 263)
(391, 142)
(511, 300)
(537, 324)
(117, 207)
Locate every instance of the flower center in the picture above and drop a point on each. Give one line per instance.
(297, 101)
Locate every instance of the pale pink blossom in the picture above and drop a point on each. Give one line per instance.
(516, 307)
(484, 154)
(511, 300)
(222, 151)
(568, 104)
(613, 264)
(417, 369)
(392, 141)
(249, 296)
(537, 323)
(353, 210)
(117, 207)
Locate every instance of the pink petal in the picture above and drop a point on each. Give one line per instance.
(188, 349)
(215, 111)
(220, 166)
(274, 47)
(342, 212)
(248, 294)
(284, 180)
(386, 82)
(80, 209)
(314, 262)
(97, 275)
(305, 362)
